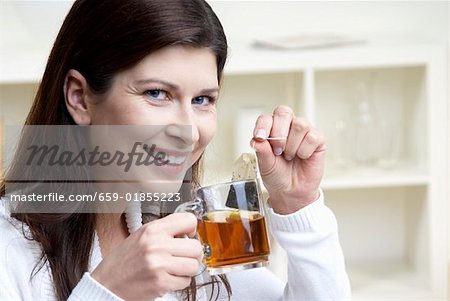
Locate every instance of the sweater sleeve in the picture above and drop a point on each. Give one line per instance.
(89, 289)
(9, 290)
(316, 268)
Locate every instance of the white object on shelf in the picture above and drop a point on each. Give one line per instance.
(306, 41)
(366, 141)
(389, 144)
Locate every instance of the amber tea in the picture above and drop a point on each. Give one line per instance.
(233, 238)
(231, 226)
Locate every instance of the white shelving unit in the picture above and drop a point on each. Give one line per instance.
(392, 217)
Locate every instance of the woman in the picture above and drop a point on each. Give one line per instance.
(141, 62)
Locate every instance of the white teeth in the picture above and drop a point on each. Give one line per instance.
(176, 160)
(179, 160)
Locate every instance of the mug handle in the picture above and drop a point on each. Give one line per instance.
(196, 207)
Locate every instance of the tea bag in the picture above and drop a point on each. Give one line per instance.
(245, 167)
(245, 195)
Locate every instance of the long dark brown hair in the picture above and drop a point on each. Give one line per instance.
(100, 39)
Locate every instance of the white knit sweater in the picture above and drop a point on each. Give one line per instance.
(316, 270)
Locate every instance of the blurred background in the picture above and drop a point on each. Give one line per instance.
(372, 75)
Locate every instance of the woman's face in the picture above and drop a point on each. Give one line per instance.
(173, 91)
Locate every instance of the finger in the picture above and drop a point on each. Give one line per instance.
(263, 126)
(265, 155)
(312, 142)
(263, 149)
(183, 266)
(299, 128)
(176, 224)
(282, 118)
(182, 247)
(175, 283)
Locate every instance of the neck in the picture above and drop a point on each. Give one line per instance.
(111, 230)
(111, 223)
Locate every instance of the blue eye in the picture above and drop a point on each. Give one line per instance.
(202, 100)
(157, 94)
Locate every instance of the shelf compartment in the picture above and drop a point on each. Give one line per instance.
(15, 101)
(397, 112)
(385, 236)
(388, 282)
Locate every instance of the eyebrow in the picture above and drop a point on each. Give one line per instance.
(171, 85)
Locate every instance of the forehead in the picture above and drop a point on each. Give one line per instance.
(177, 63)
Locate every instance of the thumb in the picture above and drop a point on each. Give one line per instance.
(265, 155)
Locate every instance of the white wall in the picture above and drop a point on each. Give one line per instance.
(249, 19)
(35, 23)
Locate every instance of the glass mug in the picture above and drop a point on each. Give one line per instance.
(231, 226)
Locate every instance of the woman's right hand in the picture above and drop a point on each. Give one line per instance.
(154, 260)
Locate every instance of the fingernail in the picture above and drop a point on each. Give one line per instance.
(261, 134)
(277, 151)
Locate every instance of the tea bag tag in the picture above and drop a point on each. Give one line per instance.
(245, 167)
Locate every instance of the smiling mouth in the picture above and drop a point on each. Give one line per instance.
(175, 160)
(171, 157)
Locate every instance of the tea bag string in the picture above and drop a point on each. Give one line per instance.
(258, 175)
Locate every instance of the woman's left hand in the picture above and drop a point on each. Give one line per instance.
(291, 169)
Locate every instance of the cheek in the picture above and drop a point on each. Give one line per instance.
(113, 110)
(207, 129)
(208, 132)
(210, 126)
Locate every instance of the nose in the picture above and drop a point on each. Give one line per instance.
(184, 127)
